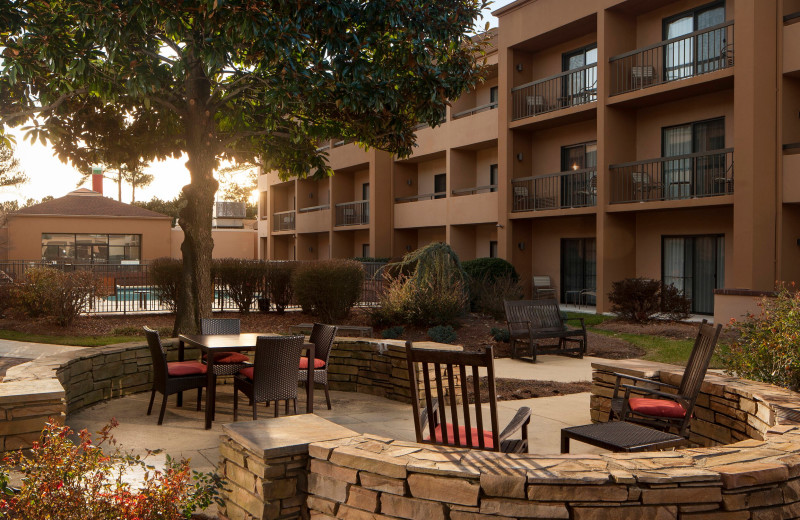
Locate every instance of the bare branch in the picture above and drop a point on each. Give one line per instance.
(158, 57)
(165, 103)
(38, 110)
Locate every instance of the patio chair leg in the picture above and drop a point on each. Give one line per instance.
(287, 407)
(235, 402)
(327, 396)
(163, 409)
(276, 408)
(152, 398)
(180, 399)
(255, 410)
(295, 406)
(513, 349)
(199, 397)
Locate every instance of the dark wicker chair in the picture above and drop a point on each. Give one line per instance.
(322, 337)
(172, 378)
(434, 417)
(225, 363)
(274, 375)
(665, 410)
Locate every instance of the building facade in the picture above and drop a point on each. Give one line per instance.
(613, 139)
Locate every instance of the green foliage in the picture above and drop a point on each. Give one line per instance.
(379, 260)
(393, 332)
(8, 297)
(166, 275)
(442, 334)
(490, 269)
(243, 279)
(65, 479)
(165, 207)
(487, 294)
(640, 299)
(10, 174)
(768, 346)
(49, 291)
(500, 334)
(328, 288)
(279, 281)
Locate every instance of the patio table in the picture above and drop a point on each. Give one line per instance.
(210, 344)
(620, 436)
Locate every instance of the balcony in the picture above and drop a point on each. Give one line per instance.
(791, 40)
(572, 189)
(567, 89)
(424, 196)
(683, 57)
(354, 213)
(312, 209)
(474, 191)
(473, 111)
(690, 176)
(283, 221)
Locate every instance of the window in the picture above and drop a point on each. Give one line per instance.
(699, 54)
(578, 268)
(493, 177)
(364, 250)
(493, 93)
(493, 249)
(440, 185)
(365, 191)
(695, 265)
(694, 176)
(579, 189)
(88, 248)
(580, 86)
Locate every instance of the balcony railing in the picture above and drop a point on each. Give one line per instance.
(678, 58)
(424, 196)
(283, 221)
(352, 213)
(472, 111)
(706, 174)
(568, 89)
(572, 189)
(475, 190)
(311, 209)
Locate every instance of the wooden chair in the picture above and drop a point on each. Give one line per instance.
(322, 337)
(172, 378)
(665, 410)
(225, 363)
(543, 287)
(433, 416)
(273, 376)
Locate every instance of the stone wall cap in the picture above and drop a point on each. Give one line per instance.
(283, 436)
(30, 391)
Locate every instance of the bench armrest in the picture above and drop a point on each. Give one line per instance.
(582, 320)
(520, 421)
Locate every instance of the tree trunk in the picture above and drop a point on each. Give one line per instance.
(196, 293)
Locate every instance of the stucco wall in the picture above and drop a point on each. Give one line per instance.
(228, 243)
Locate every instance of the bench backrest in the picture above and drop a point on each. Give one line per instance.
(542, 315)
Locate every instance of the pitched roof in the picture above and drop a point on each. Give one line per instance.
(88, 203)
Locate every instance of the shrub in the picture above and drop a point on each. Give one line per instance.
(768, 346)
(279, 280)
(243, 279)
(62, 479)
(63, 295)
(489, 268)
(489, 294)
(328, 288)
(640, 300)
(442, 334)
(393, 332)
(8, 297)
(499, 334)
(166, 275)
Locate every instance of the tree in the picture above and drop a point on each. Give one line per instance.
(242, 80)
(165, 207)
(136, 177)
(9, 168)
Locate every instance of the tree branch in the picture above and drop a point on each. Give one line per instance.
(37, 110)
(167, 104)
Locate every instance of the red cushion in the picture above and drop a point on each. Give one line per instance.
(462, 435)
(247, 372)
(185, 368)
(318, 363)
(657, 407)
(229, 357)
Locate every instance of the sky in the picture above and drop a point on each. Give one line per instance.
(49, 176)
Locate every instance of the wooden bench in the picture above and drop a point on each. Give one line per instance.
(359, 331)
(535, 320)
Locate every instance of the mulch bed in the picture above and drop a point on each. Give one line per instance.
(513, 389)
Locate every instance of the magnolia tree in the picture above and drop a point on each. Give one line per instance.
(240, 80)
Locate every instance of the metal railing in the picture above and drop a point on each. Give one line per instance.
(342, 142)
(472, 111)
(230, 209)
(472, 191)
(324, 147)
(311, 209)
(354, 213)
(686, 56)
(283, 221)
(567, 89)
(424, 196)
(791, 17)
(690, 176)
(572, 189)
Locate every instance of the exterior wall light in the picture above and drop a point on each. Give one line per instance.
(521, 246)
(519, 156)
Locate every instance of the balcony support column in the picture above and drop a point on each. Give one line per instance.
(380, 214)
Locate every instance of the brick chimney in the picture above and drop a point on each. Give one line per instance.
(97, 179)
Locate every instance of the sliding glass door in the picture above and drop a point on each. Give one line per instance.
(580, 86)
(579, 189)
(686, 177)
(702, 53)
(578, 268)
(695, 265)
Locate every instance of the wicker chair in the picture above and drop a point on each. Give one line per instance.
(172, 378)
(225, 363)
(322, 337)
(274, 376)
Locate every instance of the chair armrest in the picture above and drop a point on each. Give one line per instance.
(643, 380)
(424, 414)
(521, 419)
(641, 389)
(582, 320)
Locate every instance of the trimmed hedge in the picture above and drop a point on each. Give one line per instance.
(244, 280)
(166, 275)
(328, 288)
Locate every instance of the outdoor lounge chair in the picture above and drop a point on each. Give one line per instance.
(433, 416)
(543, 287)
(664, 410)
(273, 376)
(172, 378)
(322, 337)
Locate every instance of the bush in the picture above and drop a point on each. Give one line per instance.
(62, 479)
(442, 334)
(244, 279)
(63, 295)
(393, 332)
(489, 268)
(499, 334)
(768, 346)
(640, 300)
(166, 275)
(279, 280)
(8, 297)
(489, 294)
(328, 288)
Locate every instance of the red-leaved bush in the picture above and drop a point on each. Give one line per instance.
(66, 479)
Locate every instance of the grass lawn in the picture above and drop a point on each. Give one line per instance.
(78, 341)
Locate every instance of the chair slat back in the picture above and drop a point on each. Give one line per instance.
(220, 326)
(699, 359)
(157, 354)
(545, 316)
(441, 371)
(276, 367)
(322, 337)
